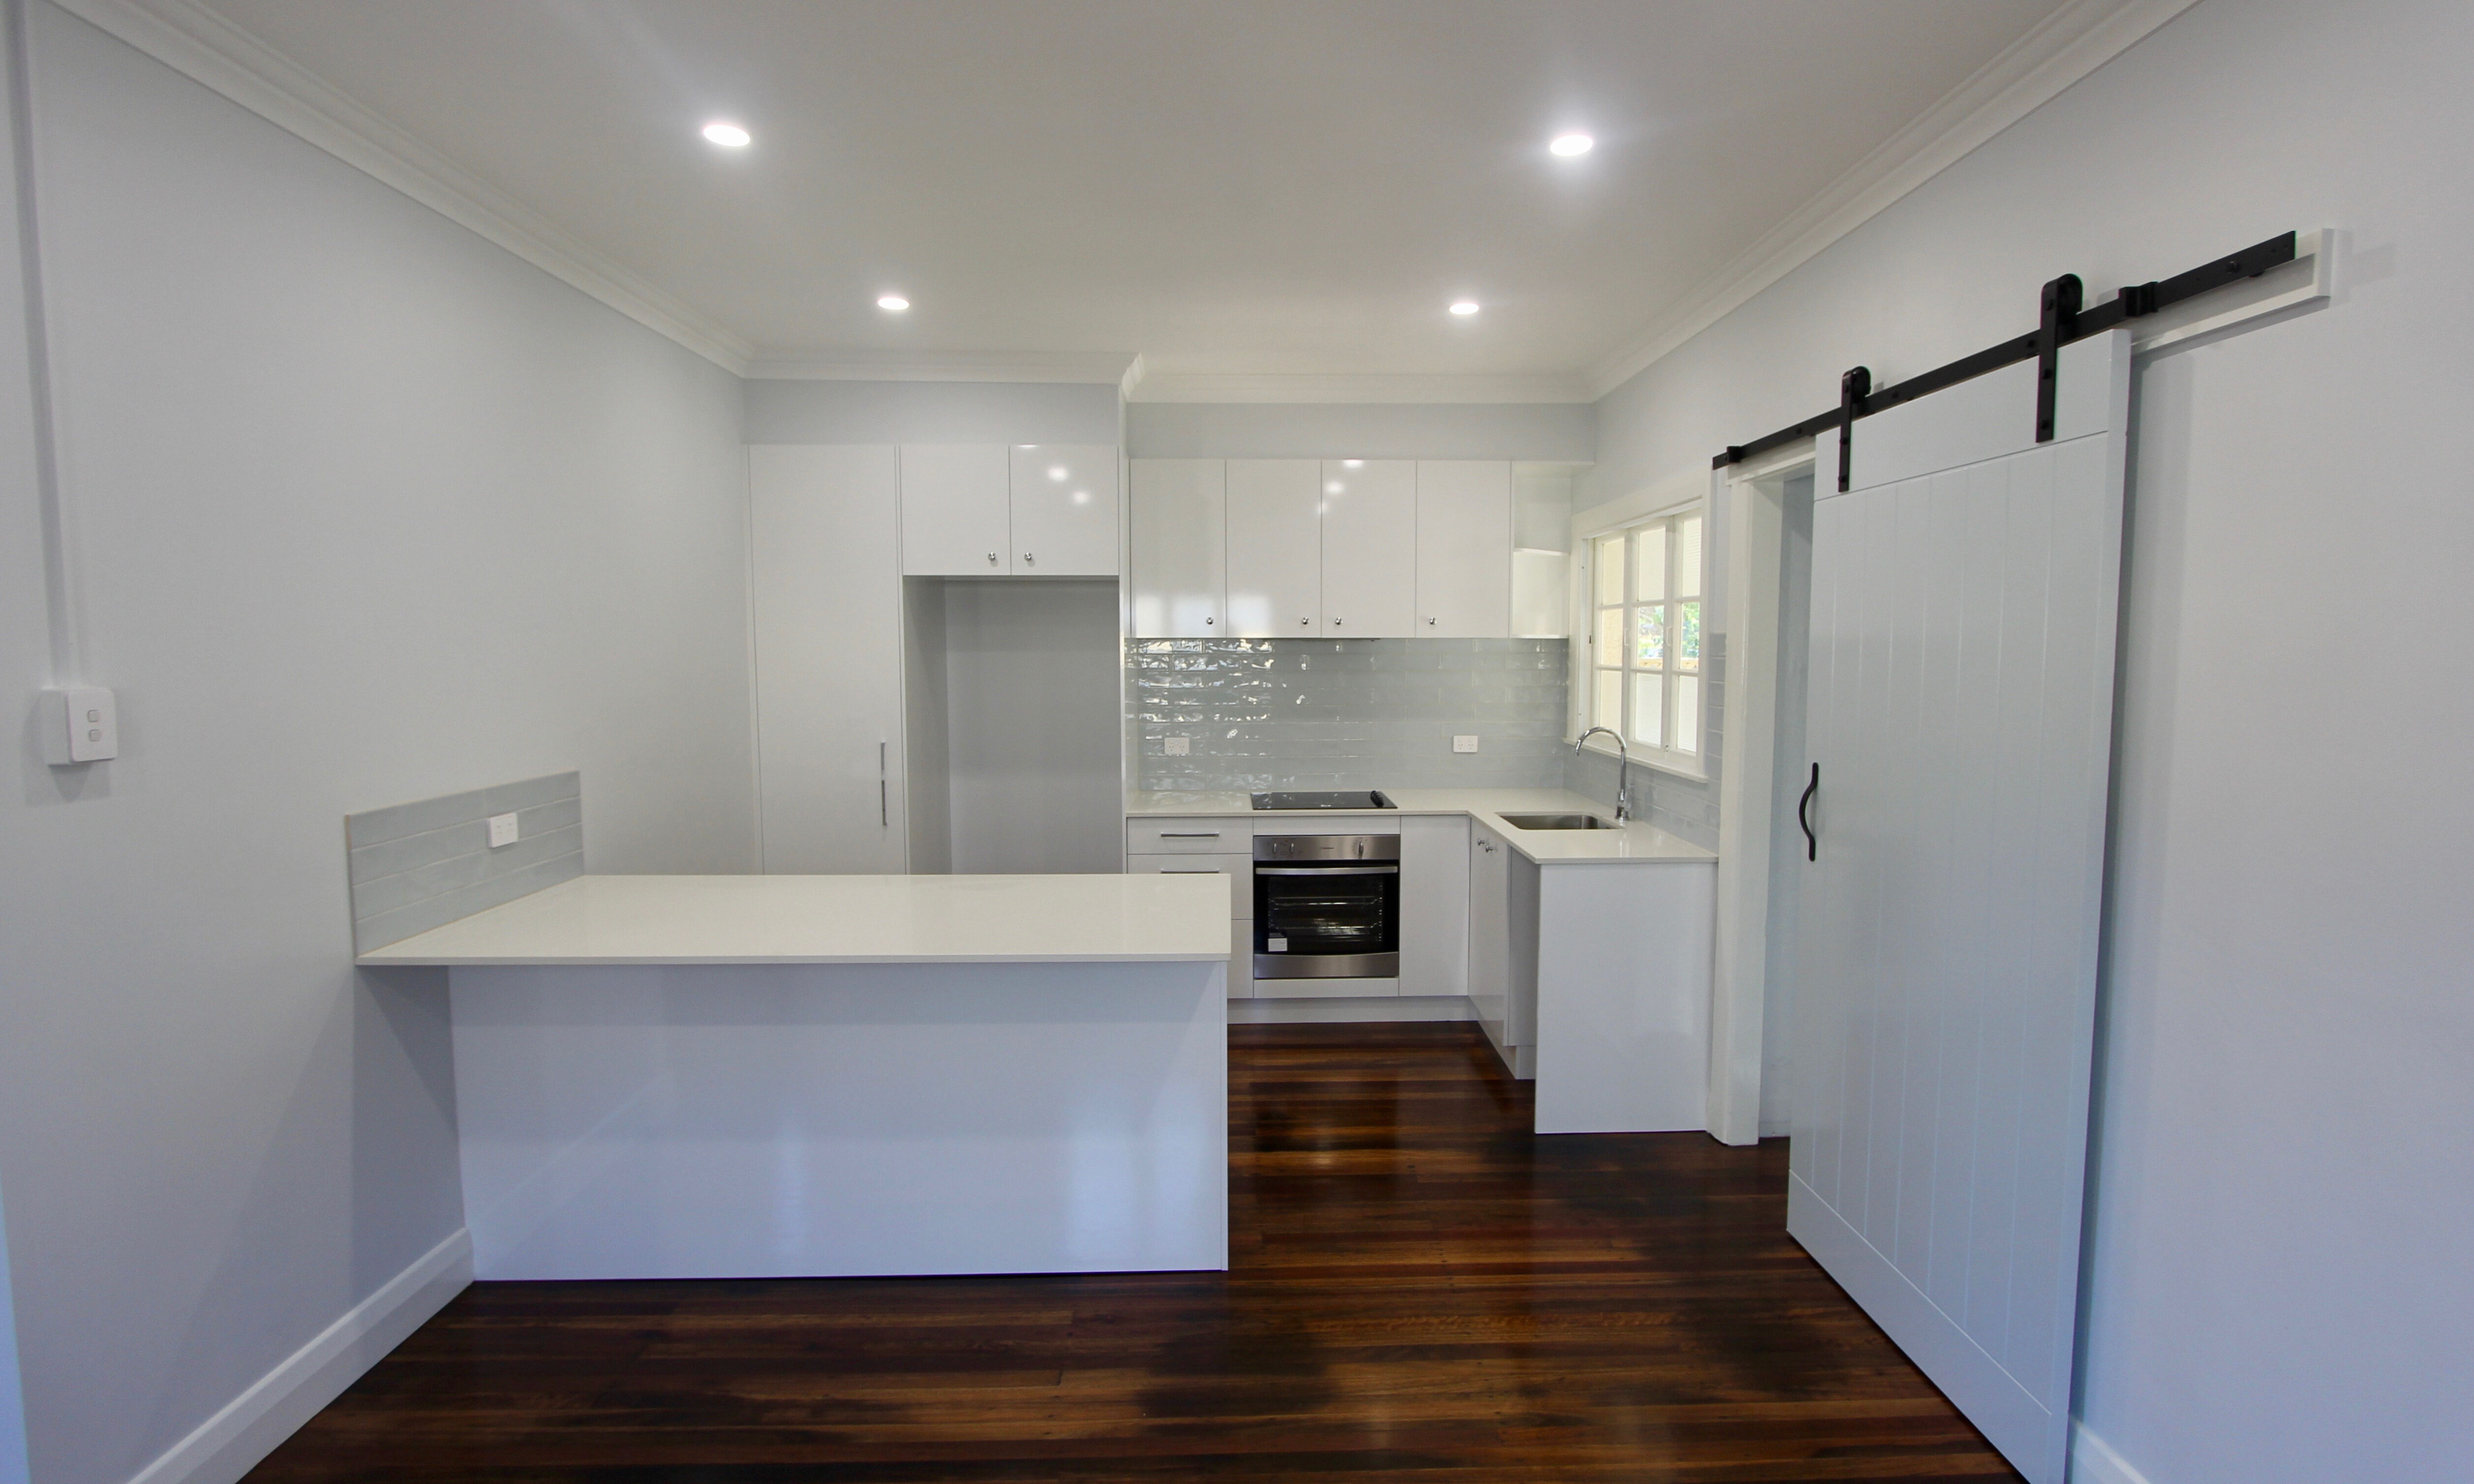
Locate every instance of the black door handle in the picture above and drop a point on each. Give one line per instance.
(1811, 845)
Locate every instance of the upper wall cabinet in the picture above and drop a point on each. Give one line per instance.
(1274, 544)
(1464, 549)
(987, 510)
(1370, 548)
(956, 518)
(1179, 548)
(1339, 548)
(1064, 510)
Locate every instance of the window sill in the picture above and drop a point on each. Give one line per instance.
(1683, 765)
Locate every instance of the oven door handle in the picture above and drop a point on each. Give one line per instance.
(1326, 871)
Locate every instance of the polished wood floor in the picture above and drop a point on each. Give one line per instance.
(1420, 1290)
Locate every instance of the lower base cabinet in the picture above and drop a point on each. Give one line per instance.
(1238, 868)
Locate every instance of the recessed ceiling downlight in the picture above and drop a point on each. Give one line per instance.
(1570, 146)
(1464, 307)
(891, 303)
(729, 135)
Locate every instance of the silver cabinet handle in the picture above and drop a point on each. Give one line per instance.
(1430, 621)
(992, 559)
(883, 791)
(1335, 623)
(1189, 835)
(1208, 622)
(1305, 620)
(1026, 559)
(1190, 871)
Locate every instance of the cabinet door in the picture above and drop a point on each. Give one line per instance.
(1064, 510)
(1370, 548)
(1434, 905)
(1464, 549)
(954, 510)
(1489, 930)
(1180, 561)
(1275, 526)
(826, 591)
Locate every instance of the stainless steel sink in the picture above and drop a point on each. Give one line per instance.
(1558, 821)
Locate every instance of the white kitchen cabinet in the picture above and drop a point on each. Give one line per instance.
(1464, 564)
(1434, 905)
(1179, 563)
(1064, 510)
(1370, 548)
(1208, 845)
(1275, 548)
(1490, 937)
(826, 595)
(956, 509)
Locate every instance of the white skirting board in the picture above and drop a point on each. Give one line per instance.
(2093, 1461)
(1331, 1012)
(231, 1442)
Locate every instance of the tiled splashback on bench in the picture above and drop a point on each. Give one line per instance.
(419, 866)
(1348, 713)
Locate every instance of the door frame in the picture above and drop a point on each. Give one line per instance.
(1752, 497)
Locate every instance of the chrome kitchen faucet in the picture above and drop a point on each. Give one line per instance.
(1623, 767)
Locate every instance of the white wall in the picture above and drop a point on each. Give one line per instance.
(1031, 723)
(367, 511)
(930, 412)
(2278, 1290)
(1557, 432)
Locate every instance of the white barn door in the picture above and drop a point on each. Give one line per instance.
(1960, 712)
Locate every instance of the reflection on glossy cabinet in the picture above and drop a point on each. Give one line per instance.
(1464, 549)
(1064, 515)
(1275, 548)
(1370, 548)
(956, 510)
(1179, 563)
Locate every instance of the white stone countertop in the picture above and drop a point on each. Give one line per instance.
(839, 920)
(1634, 841)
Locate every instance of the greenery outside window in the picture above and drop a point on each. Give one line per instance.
(1645, 633)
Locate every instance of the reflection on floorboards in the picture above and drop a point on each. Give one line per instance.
(1420, 1290)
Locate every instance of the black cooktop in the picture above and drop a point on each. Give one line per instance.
(1374, 800)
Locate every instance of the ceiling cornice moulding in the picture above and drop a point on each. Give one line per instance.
(1293, 387)
(1105, 367)
(210, 51)
(2031, 71)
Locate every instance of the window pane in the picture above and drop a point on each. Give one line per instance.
(1687, 638)
(1649, 636)
(1608, 707)
(1648, 693)
(1611, 637)
(1688, 557)
(1607, 582)
(1649, 562)
(1687, 715)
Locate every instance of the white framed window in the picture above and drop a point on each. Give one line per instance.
(1644, 643)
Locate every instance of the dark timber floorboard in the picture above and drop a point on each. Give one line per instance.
(1420, 1290)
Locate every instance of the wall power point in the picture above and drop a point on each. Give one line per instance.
(80, 723)
(502, 830)
(1464, 744)
(1178, 746)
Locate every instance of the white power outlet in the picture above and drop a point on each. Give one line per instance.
(1464, 744)
(80, 723)
(502, 830)
(1178, 746)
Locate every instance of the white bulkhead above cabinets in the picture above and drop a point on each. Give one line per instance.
(994, 510)
(1328, 548)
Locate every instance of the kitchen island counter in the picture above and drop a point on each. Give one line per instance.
(840, 1076)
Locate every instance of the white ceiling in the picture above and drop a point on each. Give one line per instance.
(1228, 188)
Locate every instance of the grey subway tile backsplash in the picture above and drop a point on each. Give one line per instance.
(417, 866)
(1686, 808)
(1348, 713)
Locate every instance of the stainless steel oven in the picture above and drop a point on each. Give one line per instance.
(1326, 906)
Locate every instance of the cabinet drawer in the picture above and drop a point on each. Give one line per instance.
(1239, 869)
(1241, 959)
(1206, 836)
